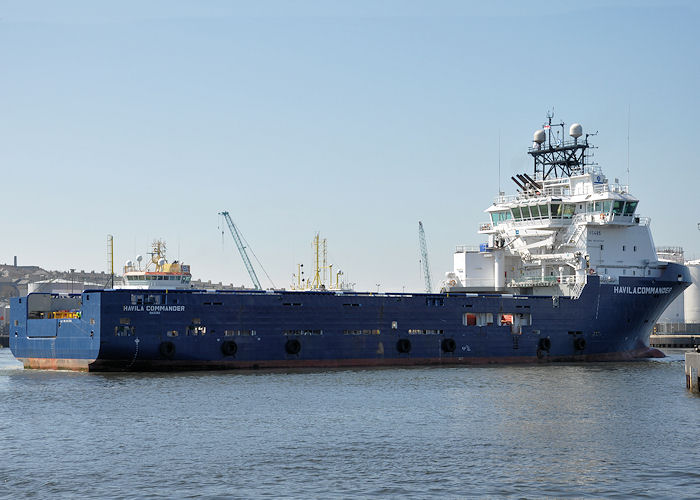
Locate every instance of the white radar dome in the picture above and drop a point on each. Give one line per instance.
(129, 263)
(576, 130)
(161, 261)
(539, 136)
(139, 258)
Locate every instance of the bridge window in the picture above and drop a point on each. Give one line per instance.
(602, 206)
(568, 210)
(630, 207)
(498, 217)
(517, 215)
(544, 211)
(556, 210)
(526, 212)
(618, 206)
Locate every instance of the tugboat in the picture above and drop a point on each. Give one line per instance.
(568, 273)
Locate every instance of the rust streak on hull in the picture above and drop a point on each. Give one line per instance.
(79, 365)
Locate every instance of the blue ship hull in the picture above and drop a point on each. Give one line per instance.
(140, 330)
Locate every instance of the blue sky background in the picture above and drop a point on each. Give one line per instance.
(355, 119)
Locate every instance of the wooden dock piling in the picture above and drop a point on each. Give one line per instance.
(692, 371)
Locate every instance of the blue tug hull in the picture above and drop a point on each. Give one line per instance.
(142, 330)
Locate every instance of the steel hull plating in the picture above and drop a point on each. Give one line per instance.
(185, 330)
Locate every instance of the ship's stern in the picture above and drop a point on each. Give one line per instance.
(55, 332)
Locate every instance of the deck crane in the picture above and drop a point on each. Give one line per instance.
(241, 248)
(424, 258)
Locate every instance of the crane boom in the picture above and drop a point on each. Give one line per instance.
(241, 248)
(424, 258)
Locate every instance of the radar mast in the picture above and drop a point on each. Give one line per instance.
(555, 157)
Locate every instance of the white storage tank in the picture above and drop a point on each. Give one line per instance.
(675, 312)
(691, 296)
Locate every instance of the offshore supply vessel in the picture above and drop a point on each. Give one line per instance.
(568, 273)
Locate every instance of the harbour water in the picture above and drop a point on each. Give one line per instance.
(602, 430)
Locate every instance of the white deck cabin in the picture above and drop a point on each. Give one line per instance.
(164, 276)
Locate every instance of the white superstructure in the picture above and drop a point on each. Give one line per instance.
(565, 223)
(163, 276)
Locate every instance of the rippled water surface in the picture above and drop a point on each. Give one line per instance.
(602, 430)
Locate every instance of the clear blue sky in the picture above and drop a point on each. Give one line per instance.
(355, 119)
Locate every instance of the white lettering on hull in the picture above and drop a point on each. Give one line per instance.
(643, 290)
(153, 308)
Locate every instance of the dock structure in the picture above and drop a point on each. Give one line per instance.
(675, 341)
(692, 371)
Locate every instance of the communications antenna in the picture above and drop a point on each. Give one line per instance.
(628, 144)
(500, 193)
(424, 258)
(555, 157)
